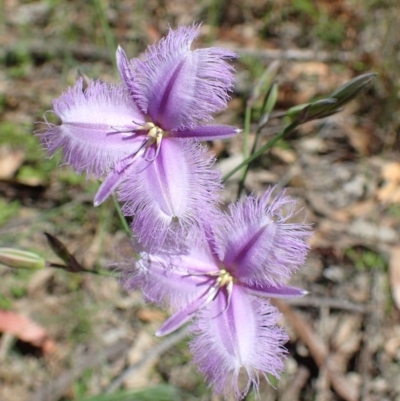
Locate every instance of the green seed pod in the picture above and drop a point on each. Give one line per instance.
(18, 259)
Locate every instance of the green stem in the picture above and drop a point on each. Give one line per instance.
(108, 35)
(253, 149)
(260, 151)
(125, 224)
(246, 133)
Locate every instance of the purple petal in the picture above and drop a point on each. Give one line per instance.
(96, 129)
(113, 179)
(245, 336)
(283, 291)
(125, 68)
(260, 246)
(173, 277)
(171, 194)
(178, 87)
(181, 317)
(206, 132)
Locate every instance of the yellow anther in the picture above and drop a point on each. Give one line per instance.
(224, 278)
(156, 134)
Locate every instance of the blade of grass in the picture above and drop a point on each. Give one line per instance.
(108, 35)
(124, 223)
(269, 103)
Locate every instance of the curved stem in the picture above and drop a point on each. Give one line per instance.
(260, 151)
(125, 224)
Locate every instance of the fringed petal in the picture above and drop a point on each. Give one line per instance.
(171, 194)
(181, 317)
(173, 277)
(178, 87)
(260, 247)
(244, 337)
(206, 132)
(283, 291)
(96, 129)
(107, 187)
(125, 68)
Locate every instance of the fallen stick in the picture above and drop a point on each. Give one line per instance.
(318, 351)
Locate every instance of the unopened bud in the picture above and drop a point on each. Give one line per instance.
(351, 89)
(18, 259)
(310, 111)
(333, 104)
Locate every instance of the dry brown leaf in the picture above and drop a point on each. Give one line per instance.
(390, 192)
(10, 161)
(286, 155)
(394, 269)
(391, 172)
(361, 138)
(26, 330)
(150, 315)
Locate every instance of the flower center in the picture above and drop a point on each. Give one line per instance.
(224, 279)
(154, 136)
(155, 133)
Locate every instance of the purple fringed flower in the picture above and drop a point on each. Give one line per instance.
(225, 283)
(139, 134)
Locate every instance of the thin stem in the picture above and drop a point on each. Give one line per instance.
(267, 146)
(125, 224)
(108, 35)
(246, 134)
(253, 149)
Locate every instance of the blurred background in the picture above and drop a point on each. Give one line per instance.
(76, 337)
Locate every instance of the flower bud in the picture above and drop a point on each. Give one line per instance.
(331, 105)
(351, 89)
(18, 259)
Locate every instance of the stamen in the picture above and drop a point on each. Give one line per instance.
(229, 289)
(155, 135)
(226, 280)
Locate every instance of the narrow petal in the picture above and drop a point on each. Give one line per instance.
(260, 246)
(245, 336)
(283, 291)
(96, 129)
(206, 132)
(173, 277)
(113, 179)
(161, 280)
(178, 87)
(125, 68)
(171, 194)
(181, 317)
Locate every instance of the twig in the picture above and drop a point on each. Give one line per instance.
(57, 388)
(292, 391)
(160, 349)
(55, 49)
(299, 55)
(318, 351)
(318, 302)
(372, 321)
